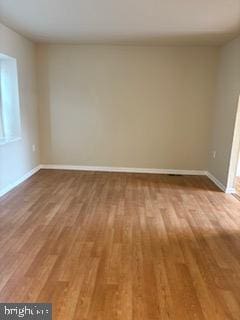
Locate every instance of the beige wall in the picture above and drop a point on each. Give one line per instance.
(228, 90)
(126, 106)
(17, 158)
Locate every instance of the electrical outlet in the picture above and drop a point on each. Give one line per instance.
(214, 153)
(33, 148)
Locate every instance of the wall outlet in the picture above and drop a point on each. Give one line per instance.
(214, 153)
(33, 148)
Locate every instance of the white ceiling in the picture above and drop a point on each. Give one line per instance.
(124, 21)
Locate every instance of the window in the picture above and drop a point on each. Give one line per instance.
(10, 127)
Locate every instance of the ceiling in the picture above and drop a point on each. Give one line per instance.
(124, 21)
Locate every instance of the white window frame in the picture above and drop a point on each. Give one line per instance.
(1, 110)
(14, 123)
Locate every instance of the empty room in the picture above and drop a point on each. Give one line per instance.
(119, 160)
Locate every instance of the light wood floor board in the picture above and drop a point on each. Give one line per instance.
(116, 246)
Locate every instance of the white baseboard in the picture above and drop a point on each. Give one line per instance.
(220, 184)
(12, 185)
(123, 169)
(216, 181)
(230, 190)
(116, 169)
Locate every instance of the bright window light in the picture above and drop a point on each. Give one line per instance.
(10, 124)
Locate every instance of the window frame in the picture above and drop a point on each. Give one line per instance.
(1, 109)
(4, 138)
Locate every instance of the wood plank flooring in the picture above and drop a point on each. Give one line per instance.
(114, 246)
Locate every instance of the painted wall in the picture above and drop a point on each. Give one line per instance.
(228, 90)
(147, 107)
(238, 168)
(17, 158)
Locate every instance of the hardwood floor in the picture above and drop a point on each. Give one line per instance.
(106, 246)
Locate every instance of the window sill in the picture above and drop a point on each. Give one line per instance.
(4, 141)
